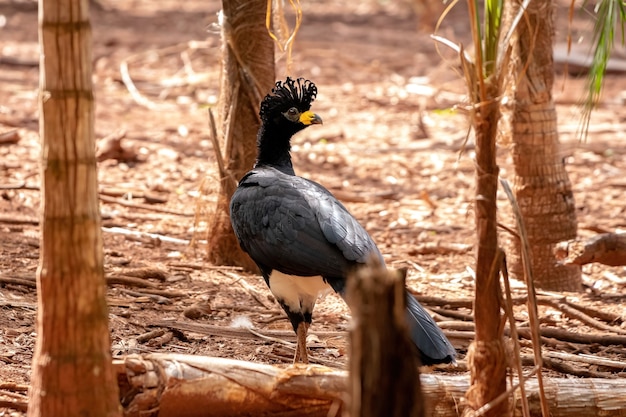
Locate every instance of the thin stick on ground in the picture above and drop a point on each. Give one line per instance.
(579, 315)
(254, 293)
(607, 316)
(145, 235)
(132, 89)
(508, 306)
(532, 300)
(273, 339)
(126, 203)
(588, 359)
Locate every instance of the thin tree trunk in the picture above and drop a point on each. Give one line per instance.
(72, 371)
(486, 354)
(248, 74)
(541, 184)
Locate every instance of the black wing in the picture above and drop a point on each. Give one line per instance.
(296, 226)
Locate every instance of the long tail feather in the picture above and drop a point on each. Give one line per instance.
(432, 344)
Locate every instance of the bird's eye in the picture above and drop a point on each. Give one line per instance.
(292, 114)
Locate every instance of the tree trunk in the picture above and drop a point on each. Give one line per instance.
(248, 74)
(540, 183)
(487, 359)
(72, 371)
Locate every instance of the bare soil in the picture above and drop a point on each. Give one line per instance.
(391, 147)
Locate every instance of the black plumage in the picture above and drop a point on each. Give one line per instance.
(301, 237)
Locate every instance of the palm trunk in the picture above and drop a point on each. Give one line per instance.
(72, 371)
(248, 74)
(540, 183)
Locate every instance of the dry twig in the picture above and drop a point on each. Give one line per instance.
(532, 300)
(152, 237)
(606, 248)
(18, 281)
(130, 281)
(579, 315)
(10, 137)
(149, 207)
(254, 293)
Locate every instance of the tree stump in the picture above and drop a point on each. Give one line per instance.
(384, 375)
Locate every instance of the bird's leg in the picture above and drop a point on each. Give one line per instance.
(301, 353)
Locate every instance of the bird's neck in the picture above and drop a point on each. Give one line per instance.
(273, 150)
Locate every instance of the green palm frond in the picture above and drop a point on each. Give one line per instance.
(493, 21)
(610, 15)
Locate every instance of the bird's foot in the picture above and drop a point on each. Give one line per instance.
(301, 355)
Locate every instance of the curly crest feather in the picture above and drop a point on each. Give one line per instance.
(298, 93)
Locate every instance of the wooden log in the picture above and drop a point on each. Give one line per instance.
(168, 385)
(188, 386)
(384, 376)
(606, 248)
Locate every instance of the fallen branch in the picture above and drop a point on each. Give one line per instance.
(441, 248)
(18, 281)
(241, 333)
(284, 354)
(570, 369)
(13, 386)
(130, 86)
(142, 295)
(141, 206)
(15, 404)
(524, 332)
(566, 336)
(583, 313)
(589, 359)
(130, 281)
(254, 293)
(179, 385)
(203, 266)
(17, 304)
(607, 248)
(10, 137)
(146, 272)
(150, 198)
(607, 316)
(161, 340)
(183, 385)
(469, 302)
(165, 293)
(145, 337)
(152, 236)
(13, 396)
(452, 314)
(149, 288)
(579, 315)
(14, 219)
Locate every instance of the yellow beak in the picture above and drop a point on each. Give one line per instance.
(310, 118)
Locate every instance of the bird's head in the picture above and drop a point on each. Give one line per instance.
(288, 106)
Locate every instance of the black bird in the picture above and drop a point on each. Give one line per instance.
(301, 237)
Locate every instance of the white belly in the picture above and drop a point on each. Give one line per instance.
(298, 293)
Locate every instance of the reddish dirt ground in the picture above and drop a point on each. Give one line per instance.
(390, 148)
